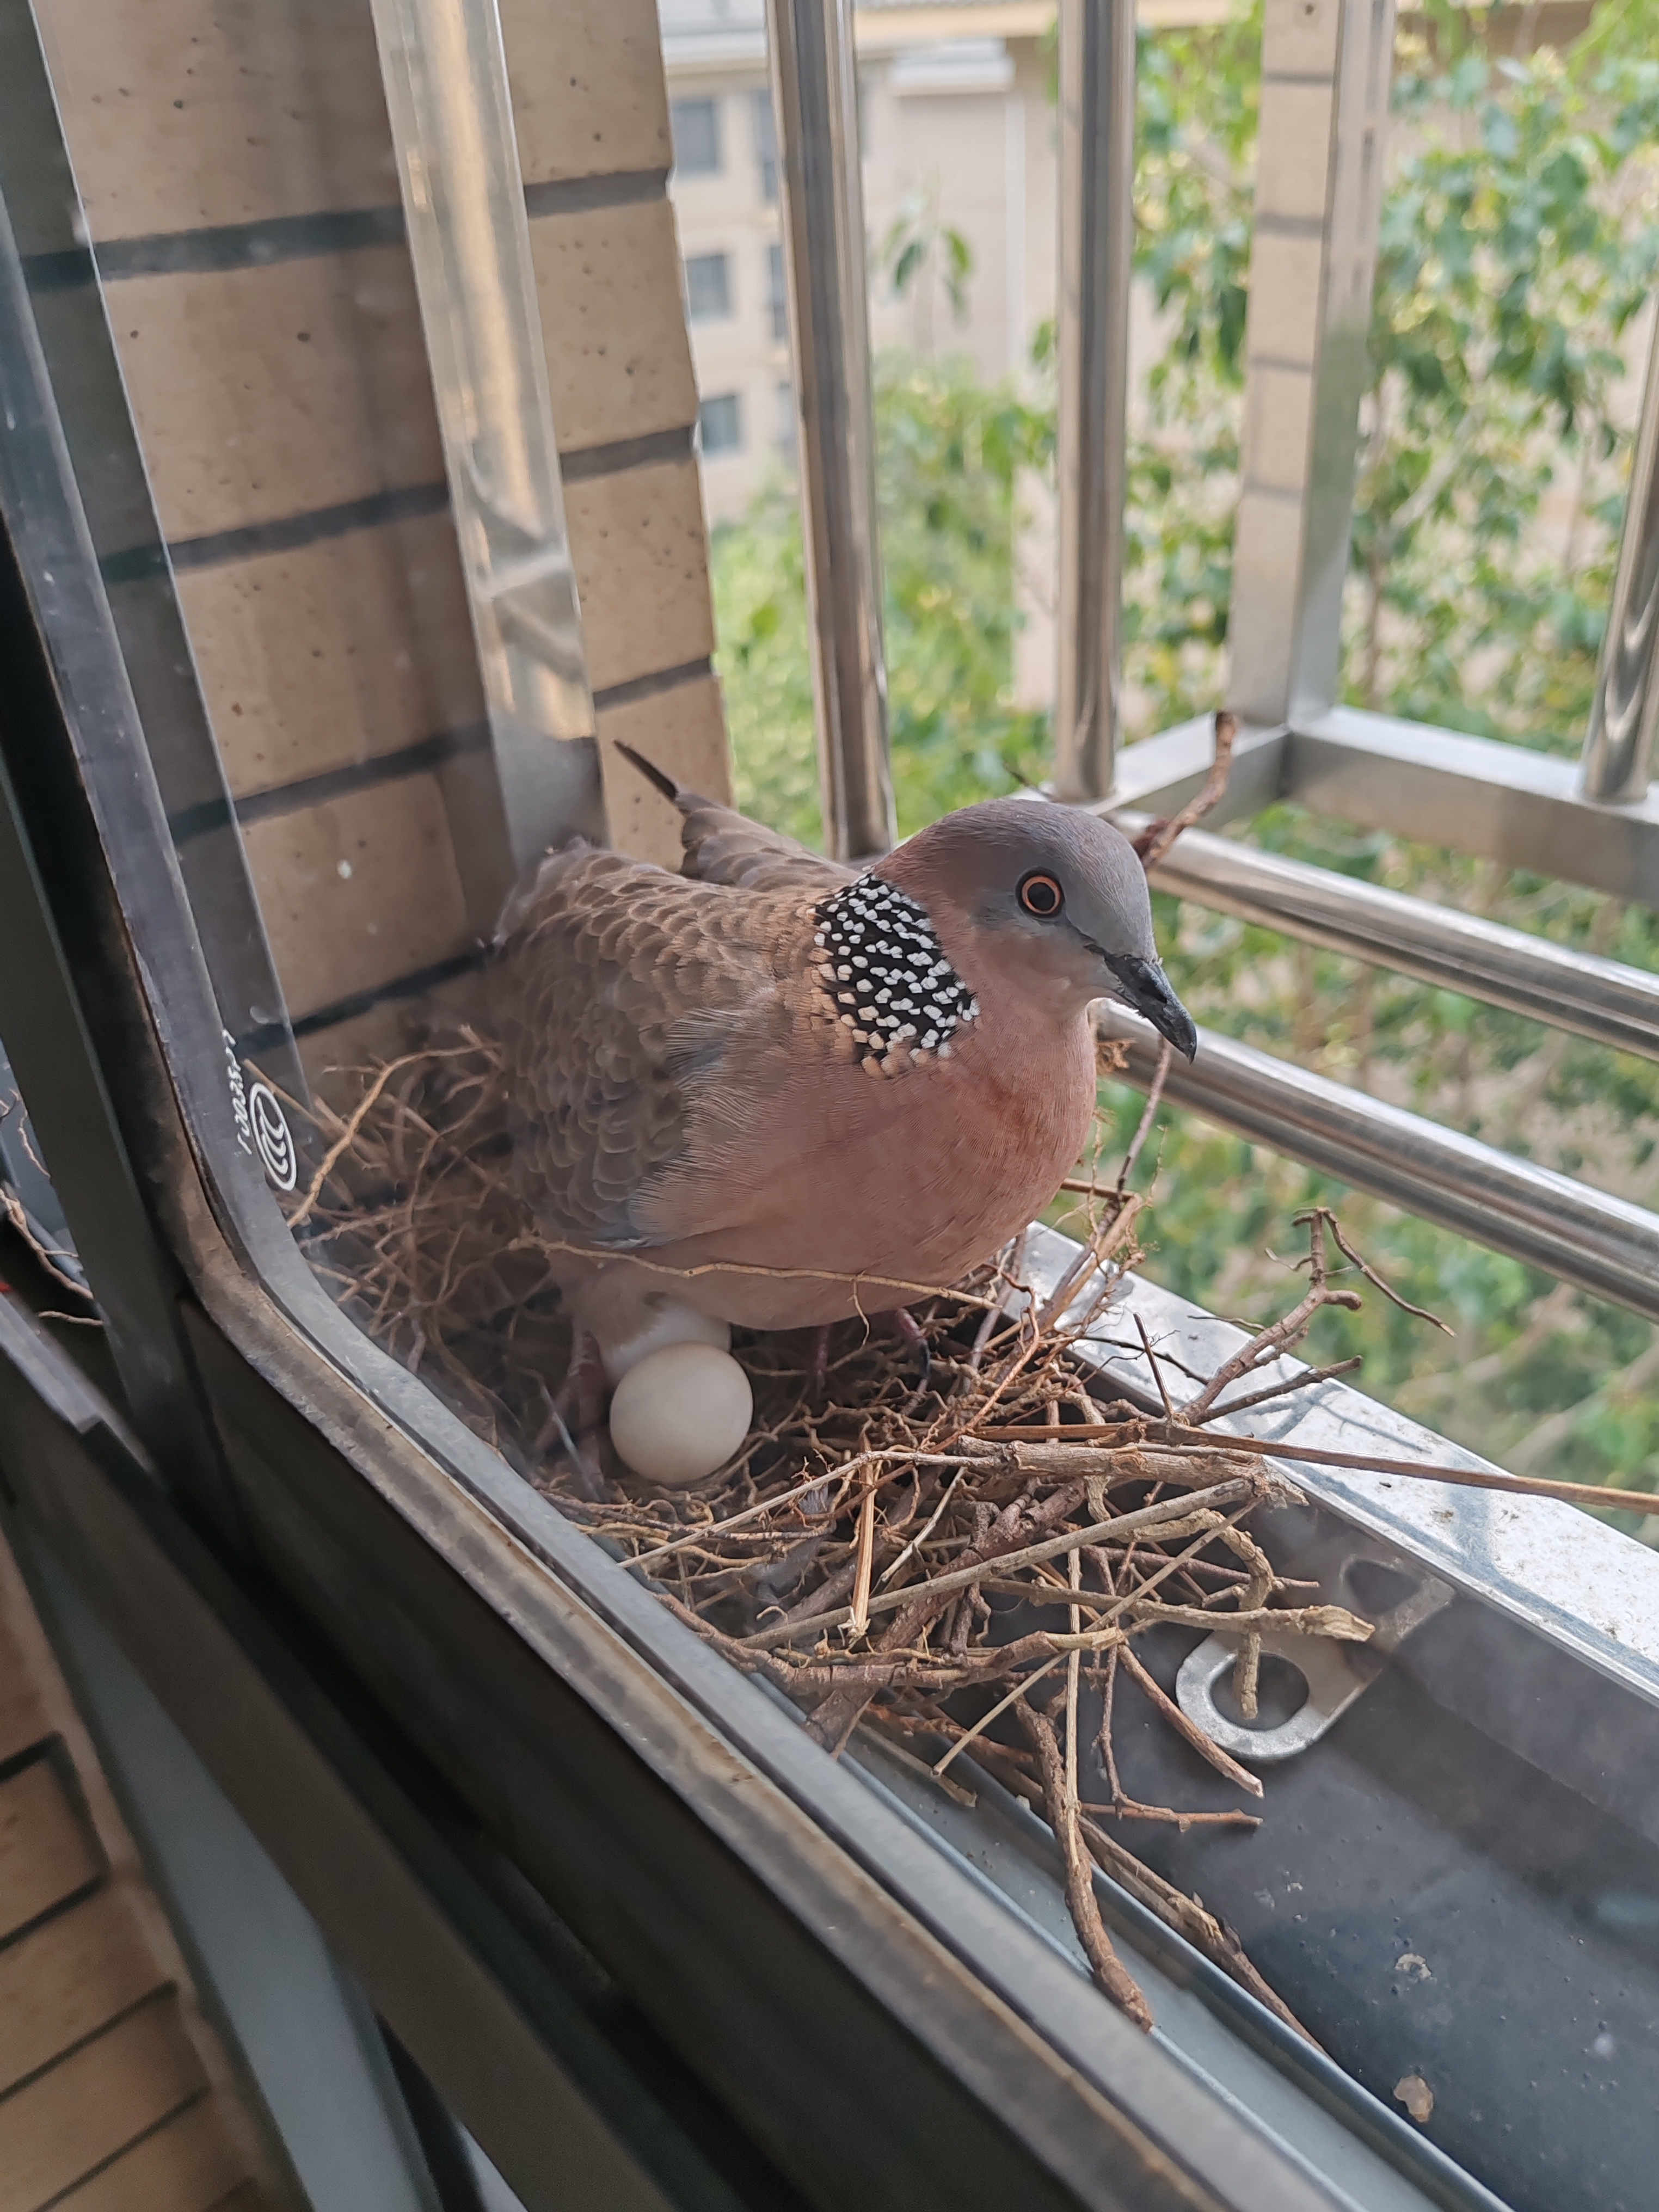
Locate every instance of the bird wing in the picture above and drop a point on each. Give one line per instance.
(618, 992)
(724, 847)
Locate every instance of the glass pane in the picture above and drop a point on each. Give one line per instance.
(696, 138)
(27, 1197)
(708, 286)
(366, 335)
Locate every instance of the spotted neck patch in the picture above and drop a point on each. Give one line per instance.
(884, 976)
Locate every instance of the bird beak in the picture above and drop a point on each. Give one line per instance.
(1144, 985)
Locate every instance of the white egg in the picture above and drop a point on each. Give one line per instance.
(681, 1413)
(672, 1323)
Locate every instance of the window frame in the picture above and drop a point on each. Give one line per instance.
(422, 1610)
(723, 449)
(714, 274)
(708, 104)
(430, 1626)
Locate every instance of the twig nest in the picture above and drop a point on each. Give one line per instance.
(671, 1322)
(680, 1414)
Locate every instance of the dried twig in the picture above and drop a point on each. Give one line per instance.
(1155, 839)
(858, 1551)
(1188, 1730)
(1110, 1971)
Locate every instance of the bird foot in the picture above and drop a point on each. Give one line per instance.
(573, 1415)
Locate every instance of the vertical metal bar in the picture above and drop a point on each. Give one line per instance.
(1097, 245)
(815, 86)
(1618, 762)
(1326, 67)
(445, 72)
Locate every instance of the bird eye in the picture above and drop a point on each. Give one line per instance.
(1042, 895)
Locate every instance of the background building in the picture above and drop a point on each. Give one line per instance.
(958, 131)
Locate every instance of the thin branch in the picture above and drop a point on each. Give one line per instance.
(1155, 839)
(1148, 1116)
(1110, 1971)
(1305, 1380)
(1188, 1730)
(1417, 1313)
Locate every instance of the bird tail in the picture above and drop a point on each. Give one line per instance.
(722, 847)
(650, 771)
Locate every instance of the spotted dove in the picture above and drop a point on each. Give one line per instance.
(780, 1092)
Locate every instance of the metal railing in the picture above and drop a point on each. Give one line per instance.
(815, 86)
(1097, 241)
(1601, 1244)
(1326, 69)
(1618, 765)
(1611, 1004)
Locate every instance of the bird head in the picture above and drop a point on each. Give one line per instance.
(1050, 898)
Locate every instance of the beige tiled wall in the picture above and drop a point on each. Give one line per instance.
(642, 557)
(589, 97)
(183, 113)
(385, 659)
(268, 393)
(618, 360)
(279, 383)
(1299, 335)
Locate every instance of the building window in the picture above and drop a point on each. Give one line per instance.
(696, 126)
(766, 145)
(707, 287)
(787, 426)
(719, 424)
(776, 301)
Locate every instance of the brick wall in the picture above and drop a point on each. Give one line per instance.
(236, 168)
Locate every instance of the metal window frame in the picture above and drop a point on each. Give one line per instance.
(1523, 809)
(377, 1635)
(455, 1723)
(716, 258)
(1594, 822)
(814, 89)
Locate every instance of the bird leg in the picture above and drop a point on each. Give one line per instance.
(574, 1414)
(818, 1366)
(901, 1322)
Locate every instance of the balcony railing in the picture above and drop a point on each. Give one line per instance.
(1325, 64)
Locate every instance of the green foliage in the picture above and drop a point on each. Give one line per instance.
(950, 454)
(921, 248)
(1197, 97)
(1520, 237)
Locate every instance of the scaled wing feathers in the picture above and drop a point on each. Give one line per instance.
(619, 989)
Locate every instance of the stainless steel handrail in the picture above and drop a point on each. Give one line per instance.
(1603, 999)
(1473, 795)
(1096, 246)
(815, 86)
(1618, 763)
(1604, 1245)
